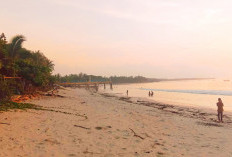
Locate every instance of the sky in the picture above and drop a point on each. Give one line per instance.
(152, 38)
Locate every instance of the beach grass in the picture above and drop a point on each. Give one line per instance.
(8, 105)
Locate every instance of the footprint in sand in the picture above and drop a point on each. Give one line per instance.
(159, 154)
(98, 128)
(157, 144)
(102, 128)
(52, 141)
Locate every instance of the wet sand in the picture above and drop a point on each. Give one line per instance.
(84, 123)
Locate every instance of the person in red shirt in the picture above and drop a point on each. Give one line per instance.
(220, 110)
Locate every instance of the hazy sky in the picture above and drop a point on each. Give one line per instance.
(153, 38)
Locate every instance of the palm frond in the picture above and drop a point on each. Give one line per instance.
(16, 45)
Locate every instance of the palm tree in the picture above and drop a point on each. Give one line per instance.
(15, 45)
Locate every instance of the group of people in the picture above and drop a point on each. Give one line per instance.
(150, 94)
(219, 105)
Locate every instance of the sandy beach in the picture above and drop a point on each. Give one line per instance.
(85, 123)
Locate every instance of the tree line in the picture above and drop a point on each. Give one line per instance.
(81, 77)
(26, 70)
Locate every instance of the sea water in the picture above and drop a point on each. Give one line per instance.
(194, 93)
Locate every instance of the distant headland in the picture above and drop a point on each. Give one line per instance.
(81, 77)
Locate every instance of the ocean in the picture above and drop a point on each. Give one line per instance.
(193, 93)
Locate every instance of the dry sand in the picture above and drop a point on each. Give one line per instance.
(84, 123)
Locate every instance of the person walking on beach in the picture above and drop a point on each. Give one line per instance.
(152, 93)
(220, 110)
(149, 93)
(127, 92)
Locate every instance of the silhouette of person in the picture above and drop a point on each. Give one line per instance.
(149, 93)
(127, 92)
(152, 93)
(220, 109)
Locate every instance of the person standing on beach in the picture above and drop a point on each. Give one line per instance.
(127, 92)
(149, 93)
(220, 110)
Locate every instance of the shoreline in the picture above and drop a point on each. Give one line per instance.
(201, 113)
(86, 123)
(150, 100)
(181, 99)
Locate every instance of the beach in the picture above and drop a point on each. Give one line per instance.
(86, 123)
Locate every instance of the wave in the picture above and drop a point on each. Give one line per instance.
(208, 92)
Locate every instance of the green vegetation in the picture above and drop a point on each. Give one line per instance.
(115, 79)
(31, 70)
(131, 79)
(72, 78)
(8, 105)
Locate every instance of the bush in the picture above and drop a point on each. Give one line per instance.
(5, 91)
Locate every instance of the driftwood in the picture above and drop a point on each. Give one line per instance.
(82, 127)
(136, 135)
(52, 94)
(5, 123)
